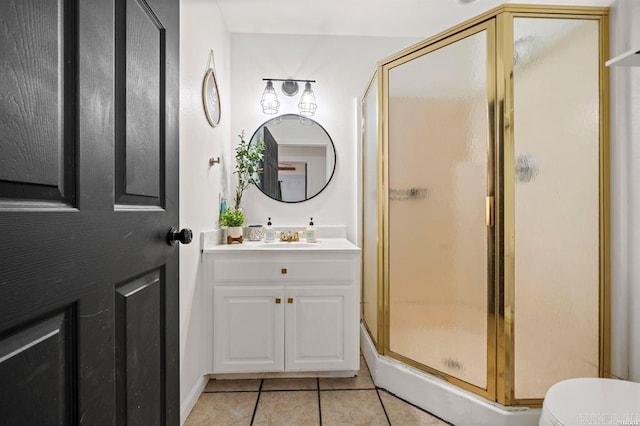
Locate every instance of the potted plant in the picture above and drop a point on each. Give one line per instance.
(248, 160)
(233, 220)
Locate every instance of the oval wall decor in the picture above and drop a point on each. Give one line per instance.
(211, 98)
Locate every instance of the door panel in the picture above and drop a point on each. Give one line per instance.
(140, 73)
(249, 333)
(317, 320)
(557, 202)
(139, 331)
(370, 215)
(440, 173)
(85, 289)
(36, 92)
(37, 359)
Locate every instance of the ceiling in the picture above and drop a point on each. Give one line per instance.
(383, 18)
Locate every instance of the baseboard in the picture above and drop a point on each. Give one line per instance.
(191, 399)
(439, 397)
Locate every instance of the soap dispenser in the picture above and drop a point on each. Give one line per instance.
(310, 233)
(269, 234)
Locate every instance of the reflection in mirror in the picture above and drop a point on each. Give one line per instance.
(299, 158)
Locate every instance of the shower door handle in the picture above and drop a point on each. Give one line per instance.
(489, 215)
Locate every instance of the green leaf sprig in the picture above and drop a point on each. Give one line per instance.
(248, 160)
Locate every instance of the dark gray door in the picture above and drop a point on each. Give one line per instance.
(270, 184)
(88, 192)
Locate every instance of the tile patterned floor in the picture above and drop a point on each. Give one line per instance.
(315, 401)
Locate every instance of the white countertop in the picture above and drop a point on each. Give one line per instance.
(323, 244)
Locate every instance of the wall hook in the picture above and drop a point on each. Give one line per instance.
(213, 161)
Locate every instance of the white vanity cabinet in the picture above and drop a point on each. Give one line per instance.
(285, 309)
(319, 329)
(248, 329)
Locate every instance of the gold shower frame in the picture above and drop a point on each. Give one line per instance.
(501, 318)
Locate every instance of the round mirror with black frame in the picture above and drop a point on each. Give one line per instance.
(299, 158)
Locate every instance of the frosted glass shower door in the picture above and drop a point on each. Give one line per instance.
(370, 215)
(439, 176)
(557, 188)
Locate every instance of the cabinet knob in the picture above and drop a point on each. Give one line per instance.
(283, 271)
(290, 300)
(278, 300)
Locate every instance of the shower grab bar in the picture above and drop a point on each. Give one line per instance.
(415, 193)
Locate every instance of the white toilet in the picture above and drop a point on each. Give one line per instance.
(588, 401)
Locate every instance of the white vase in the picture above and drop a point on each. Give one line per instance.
(235, 231)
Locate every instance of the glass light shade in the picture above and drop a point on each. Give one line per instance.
(307, 105)
(269, 100)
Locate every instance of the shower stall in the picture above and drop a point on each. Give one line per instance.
(485, 202)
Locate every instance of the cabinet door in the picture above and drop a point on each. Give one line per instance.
(248, 334)
(321, 328)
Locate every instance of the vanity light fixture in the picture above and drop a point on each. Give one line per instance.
(307, 105)
(269, 99)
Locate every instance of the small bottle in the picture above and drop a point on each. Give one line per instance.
(269, 233)
(223, 206)
(310, 233)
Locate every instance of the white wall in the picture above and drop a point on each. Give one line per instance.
(201, 29)
(342, 66)
(625, 193)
